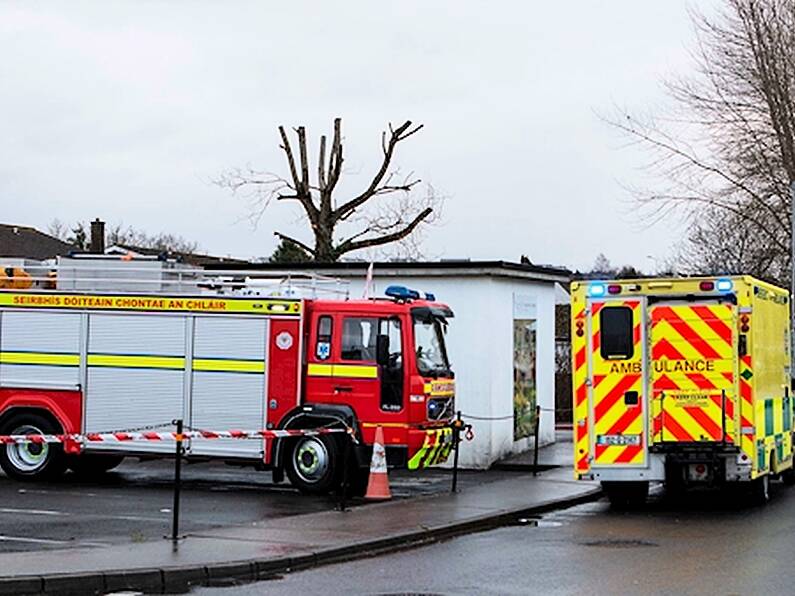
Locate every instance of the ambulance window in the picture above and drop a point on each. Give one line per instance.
(358, 338)
(616, 333)
(323, 343)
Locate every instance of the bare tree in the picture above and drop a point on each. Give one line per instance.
(386, 211)
(124, 235)
(727, 150)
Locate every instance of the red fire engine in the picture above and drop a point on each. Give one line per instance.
(220, 357)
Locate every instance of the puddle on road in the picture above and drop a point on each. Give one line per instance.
(619, 543)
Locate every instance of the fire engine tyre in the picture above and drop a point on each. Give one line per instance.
(89, 465)
(313, 464)
(32, 461)
(626, 495)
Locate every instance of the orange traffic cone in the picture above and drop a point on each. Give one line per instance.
(378, 484)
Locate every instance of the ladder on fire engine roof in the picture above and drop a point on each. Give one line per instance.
(151, 275)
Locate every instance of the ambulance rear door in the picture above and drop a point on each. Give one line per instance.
(617, 373)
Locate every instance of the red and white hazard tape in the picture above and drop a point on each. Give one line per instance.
(129, 437)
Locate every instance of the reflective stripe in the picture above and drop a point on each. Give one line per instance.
(222, 365)
(320, 370)
(440, 389)
(355, 371)
(435, 449)
(133, 361)
(119, 361)
(41, 358)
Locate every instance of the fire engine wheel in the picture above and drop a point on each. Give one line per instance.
(93, 464)
(32, 461)
(313, 464)
(626, 495)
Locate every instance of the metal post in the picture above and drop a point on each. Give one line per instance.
(345, 473)
(456, 441)
(177, 482)
(535, 449)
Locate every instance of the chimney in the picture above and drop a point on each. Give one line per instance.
(97, 245)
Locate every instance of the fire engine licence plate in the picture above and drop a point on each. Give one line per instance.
(618, 440)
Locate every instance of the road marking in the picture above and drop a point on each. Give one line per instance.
(32, 511)
(4, 538)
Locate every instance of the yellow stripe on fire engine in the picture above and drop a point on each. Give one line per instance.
(40, 358)
(223, 365)
(41, 300)
(437, 389)
(126, 361)
(352, 371)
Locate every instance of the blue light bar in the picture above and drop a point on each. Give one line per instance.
(402, 293)
(724, 285)
(597, 290)
(430, 297)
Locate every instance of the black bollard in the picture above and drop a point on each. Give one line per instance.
(177, 482)
(535, 453)
(345, 473)
(457, 423)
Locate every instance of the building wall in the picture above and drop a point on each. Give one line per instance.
(480, 344)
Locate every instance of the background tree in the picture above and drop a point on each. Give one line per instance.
(386, 211)
(287, 252)
(726, 152)
(121, 234)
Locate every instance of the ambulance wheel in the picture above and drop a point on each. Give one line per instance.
(760, 490)
(88, 465)
(788, 476)
(626, 495)
(313, 464)
(32, 461)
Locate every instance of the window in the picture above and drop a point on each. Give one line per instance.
(616, 333)
(323, 343)
(358, 338)
(391, 328)
(392, 371)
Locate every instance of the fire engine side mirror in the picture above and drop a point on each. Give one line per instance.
(382, 349)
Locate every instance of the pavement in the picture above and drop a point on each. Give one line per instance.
(710, 542)
(250, 550)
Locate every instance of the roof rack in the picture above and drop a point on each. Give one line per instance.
(159, 276)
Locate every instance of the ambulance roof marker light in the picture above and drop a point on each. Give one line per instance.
(597, 290)
(614, 289)
(724, 285)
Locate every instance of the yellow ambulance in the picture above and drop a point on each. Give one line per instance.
(684, 381)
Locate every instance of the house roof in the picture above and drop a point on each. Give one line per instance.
(444, 268)
(196, 259)
(30, 243)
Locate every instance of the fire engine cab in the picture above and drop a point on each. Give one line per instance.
(222, 353)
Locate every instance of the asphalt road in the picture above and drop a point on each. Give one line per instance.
(711, 544)
(134, 503)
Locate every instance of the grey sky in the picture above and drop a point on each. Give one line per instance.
(125, 111)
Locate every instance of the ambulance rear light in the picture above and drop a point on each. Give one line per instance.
(614, 289)
(597, 290)
(706, 286)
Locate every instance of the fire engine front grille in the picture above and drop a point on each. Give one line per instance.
(440, 408)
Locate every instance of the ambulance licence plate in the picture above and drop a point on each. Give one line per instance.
(618, 440)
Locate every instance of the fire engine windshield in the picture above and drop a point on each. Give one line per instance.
(431, 352)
